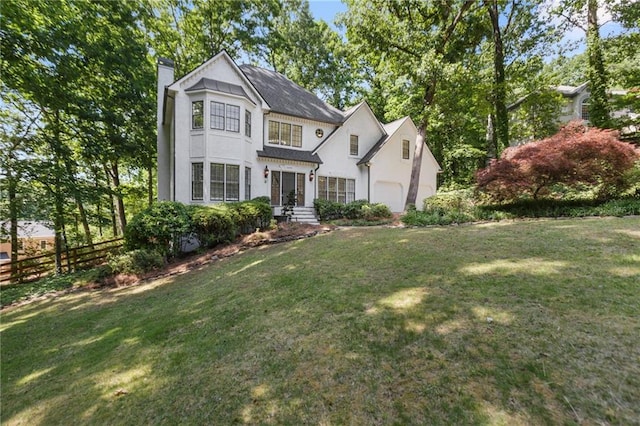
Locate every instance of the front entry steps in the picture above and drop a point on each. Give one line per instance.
(304, 215)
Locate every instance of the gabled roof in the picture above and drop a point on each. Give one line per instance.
(571, 91)
(289, 154)
(347, 114)
(218, 86)
(286, 97)
(224, 56)
(390, 129)
(29, 229)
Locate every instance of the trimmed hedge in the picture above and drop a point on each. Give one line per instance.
(166, 226)
(355, 210)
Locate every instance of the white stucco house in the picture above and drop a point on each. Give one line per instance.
(231, 133)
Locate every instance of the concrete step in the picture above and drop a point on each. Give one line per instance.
(305, 215)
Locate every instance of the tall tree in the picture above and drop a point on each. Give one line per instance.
(599, 110)
(413, 44)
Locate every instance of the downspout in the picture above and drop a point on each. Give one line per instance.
(368, 164)
(315, 185)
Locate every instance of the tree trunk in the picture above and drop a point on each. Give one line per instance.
(599, 114)
(499, 81)
(416, 166)
(13, 218)
(118, 203)
(150, 184)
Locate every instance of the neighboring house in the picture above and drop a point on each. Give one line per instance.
(577, 103)
(33, 238)
(230, 133)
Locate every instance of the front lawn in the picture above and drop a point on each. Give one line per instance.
(532, 322)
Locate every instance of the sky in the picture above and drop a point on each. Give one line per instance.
(328, 9)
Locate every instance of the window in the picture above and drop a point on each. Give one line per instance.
(322, 188)
(247, 183)
(584, 109)
(226, 117)
(285, 134)
(217, 115)
(225, 182)
(405, 149)
(233, 118)
(274, 132)
(296, 136)
(232, 183)
(247, 123)
(353, 145)
(337, 189)
(197, 177)
(43, 244)
(197, 115)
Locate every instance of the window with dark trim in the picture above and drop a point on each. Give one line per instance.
(197, 180)
(337, 189)
(197, 114)
(353, 145)
(405, 149)
(247, 183)
(224, 182)
(247, 123)
(285, 134)
(233, 118)
(217, 115)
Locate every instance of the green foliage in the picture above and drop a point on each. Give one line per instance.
(160, 227)
(251, 215)
(358, 210)
(214, 224)
(328, 210)
(135, 262)
(45, 285)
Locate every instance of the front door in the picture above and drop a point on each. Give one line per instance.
(285, 183)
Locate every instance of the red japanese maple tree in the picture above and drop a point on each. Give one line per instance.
(575, 156)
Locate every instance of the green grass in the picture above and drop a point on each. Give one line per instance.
(533, 322)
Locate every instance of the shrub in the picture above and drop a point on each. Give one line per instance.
(213, 224)
(573, 157)
(251, 215)
(328, 210)
(353, 210)
(136, 262)
(376, 211)
(458, 201)
(160, 227)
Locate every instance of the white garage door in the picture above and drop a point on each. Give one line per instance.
(389, 193)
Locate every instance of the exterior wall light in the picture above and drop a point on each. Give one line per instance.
(266, 172)
(311, 175)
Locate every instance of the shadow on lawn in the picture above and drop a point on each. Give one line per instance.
(480, 332)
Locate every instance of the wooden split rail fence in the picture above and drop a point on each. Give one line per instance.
(32, 268)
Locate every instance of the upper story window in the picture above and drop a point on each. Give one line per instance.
(285, 134)
(233, 118)
(247, 123)
(353, 145)
(197, 114)
(217, 115)
(584, 109)
(224, 117)
(405, 149)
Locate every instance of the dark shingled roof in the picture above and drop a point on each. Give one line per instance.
(374, 150)
(218, 86)
(289, 154)
(286, 97)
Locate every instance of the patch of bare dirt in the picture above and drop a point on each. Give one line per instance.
(284, 232)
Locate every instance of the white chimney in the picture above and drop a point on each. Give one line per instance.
(164, 173)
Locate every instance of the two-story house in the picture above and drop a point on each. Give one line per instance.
(230, 133)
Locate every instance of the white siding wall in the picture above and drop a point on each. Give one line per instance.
(335, 153)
